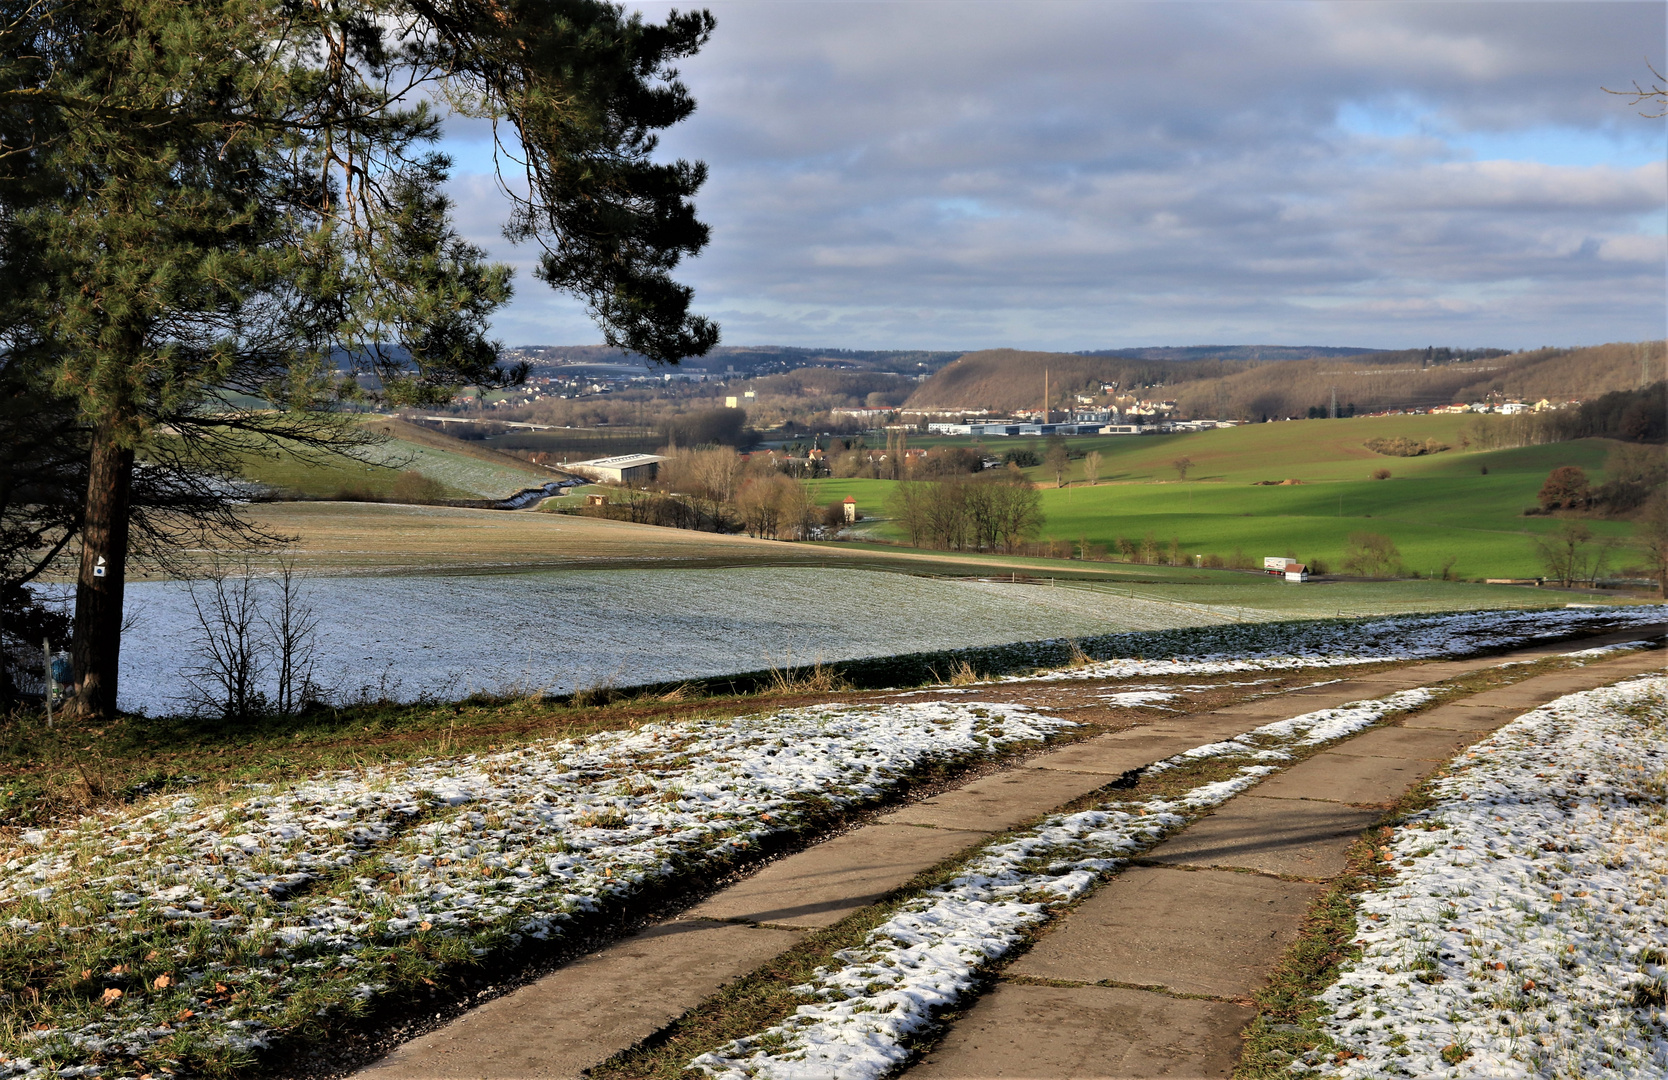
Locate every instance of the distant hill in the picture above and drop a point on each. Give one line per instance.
(1007, 379)
(751, 360)
(1252, 353)
(1243, 388)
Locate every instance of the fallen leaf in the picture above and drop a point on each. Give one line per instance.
(184, 1014)
(152, 955)
(1528, 984)
(425, 925)
(1557, 898)
(119, 969)
(163, 982)
(428, 982)
(111, 996)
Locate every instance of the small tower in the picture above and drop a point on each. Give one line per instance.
(851, 510)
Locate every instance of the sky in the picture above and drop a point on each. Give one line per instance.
(1077, 175)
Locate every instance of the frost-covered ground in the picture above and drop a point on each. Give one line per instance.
(206, 922)
(863, 1012)
(1525, 932)
(557, 631)
(197, 926)
(1329, 643)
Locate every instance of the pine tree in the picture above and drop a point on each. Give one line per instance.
(212, 202)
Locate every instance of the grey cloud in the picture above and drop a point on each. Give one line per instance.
(1075, 175)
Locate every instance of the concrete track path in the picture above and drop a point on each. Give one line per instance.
(1152, 975)
(1146, 978)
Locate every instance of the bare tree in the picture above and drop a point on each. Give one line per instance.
(1091, 467)
(1653, 539)
(1569, 554)
(1058, 459)
(229, 656)
(292, 628)
(1181, 465)
(1652, 97)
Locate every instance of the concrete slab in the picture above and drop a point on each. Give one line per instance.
(1276, 836)
(1403, 742)
(595, 1007)
(1463, 716)
(1340, 692)
(1115, 754)
(823, 884)
(1091, 1031)
(1193, 932)
(1336, 776)
(1001, 800)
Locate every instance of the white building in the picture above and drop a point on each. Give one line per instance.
(621, 469)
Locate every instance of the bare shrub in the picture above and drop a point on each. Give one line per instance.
(413, 487)
(1402, 446)
(1381, 474)
(1368, 554)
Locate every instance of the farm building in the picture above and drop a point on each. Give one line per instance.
(621, 469)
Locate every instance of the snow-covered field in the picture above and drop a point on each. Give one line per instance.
(556, 631)
(927, 957)
(1525, 931)
(206, 922)
(1327, 643)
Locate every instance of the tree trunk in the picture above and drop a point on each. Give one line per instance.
(98, 590)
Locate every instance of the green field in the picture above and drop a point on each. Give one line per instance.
(1435, 508)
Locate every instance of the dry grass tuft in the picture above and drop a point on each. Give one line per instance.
(816, 679)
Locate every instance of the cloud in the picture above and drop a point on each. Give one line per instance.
(1079, 175)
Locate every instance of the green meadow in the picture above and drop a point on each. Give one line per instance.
(1436, 508)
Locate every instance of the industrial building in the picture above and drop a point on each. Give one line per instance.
(625, 469)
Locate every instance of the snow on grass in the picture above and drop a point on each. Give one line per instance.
(930, 954)
(212, 921)
(1525, 933)
(1332, 643)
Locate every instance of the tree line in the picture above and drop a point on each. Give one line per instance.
(995, 511)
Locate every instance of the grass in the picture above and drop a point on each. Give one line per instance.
(1436, 508)
(467, 471)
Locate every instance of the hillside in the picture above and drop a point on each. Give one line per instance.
(1008, 379)
(1227, 352)
(465, 470)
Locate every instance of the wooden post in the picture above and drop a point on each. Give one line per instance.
(46, 654)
